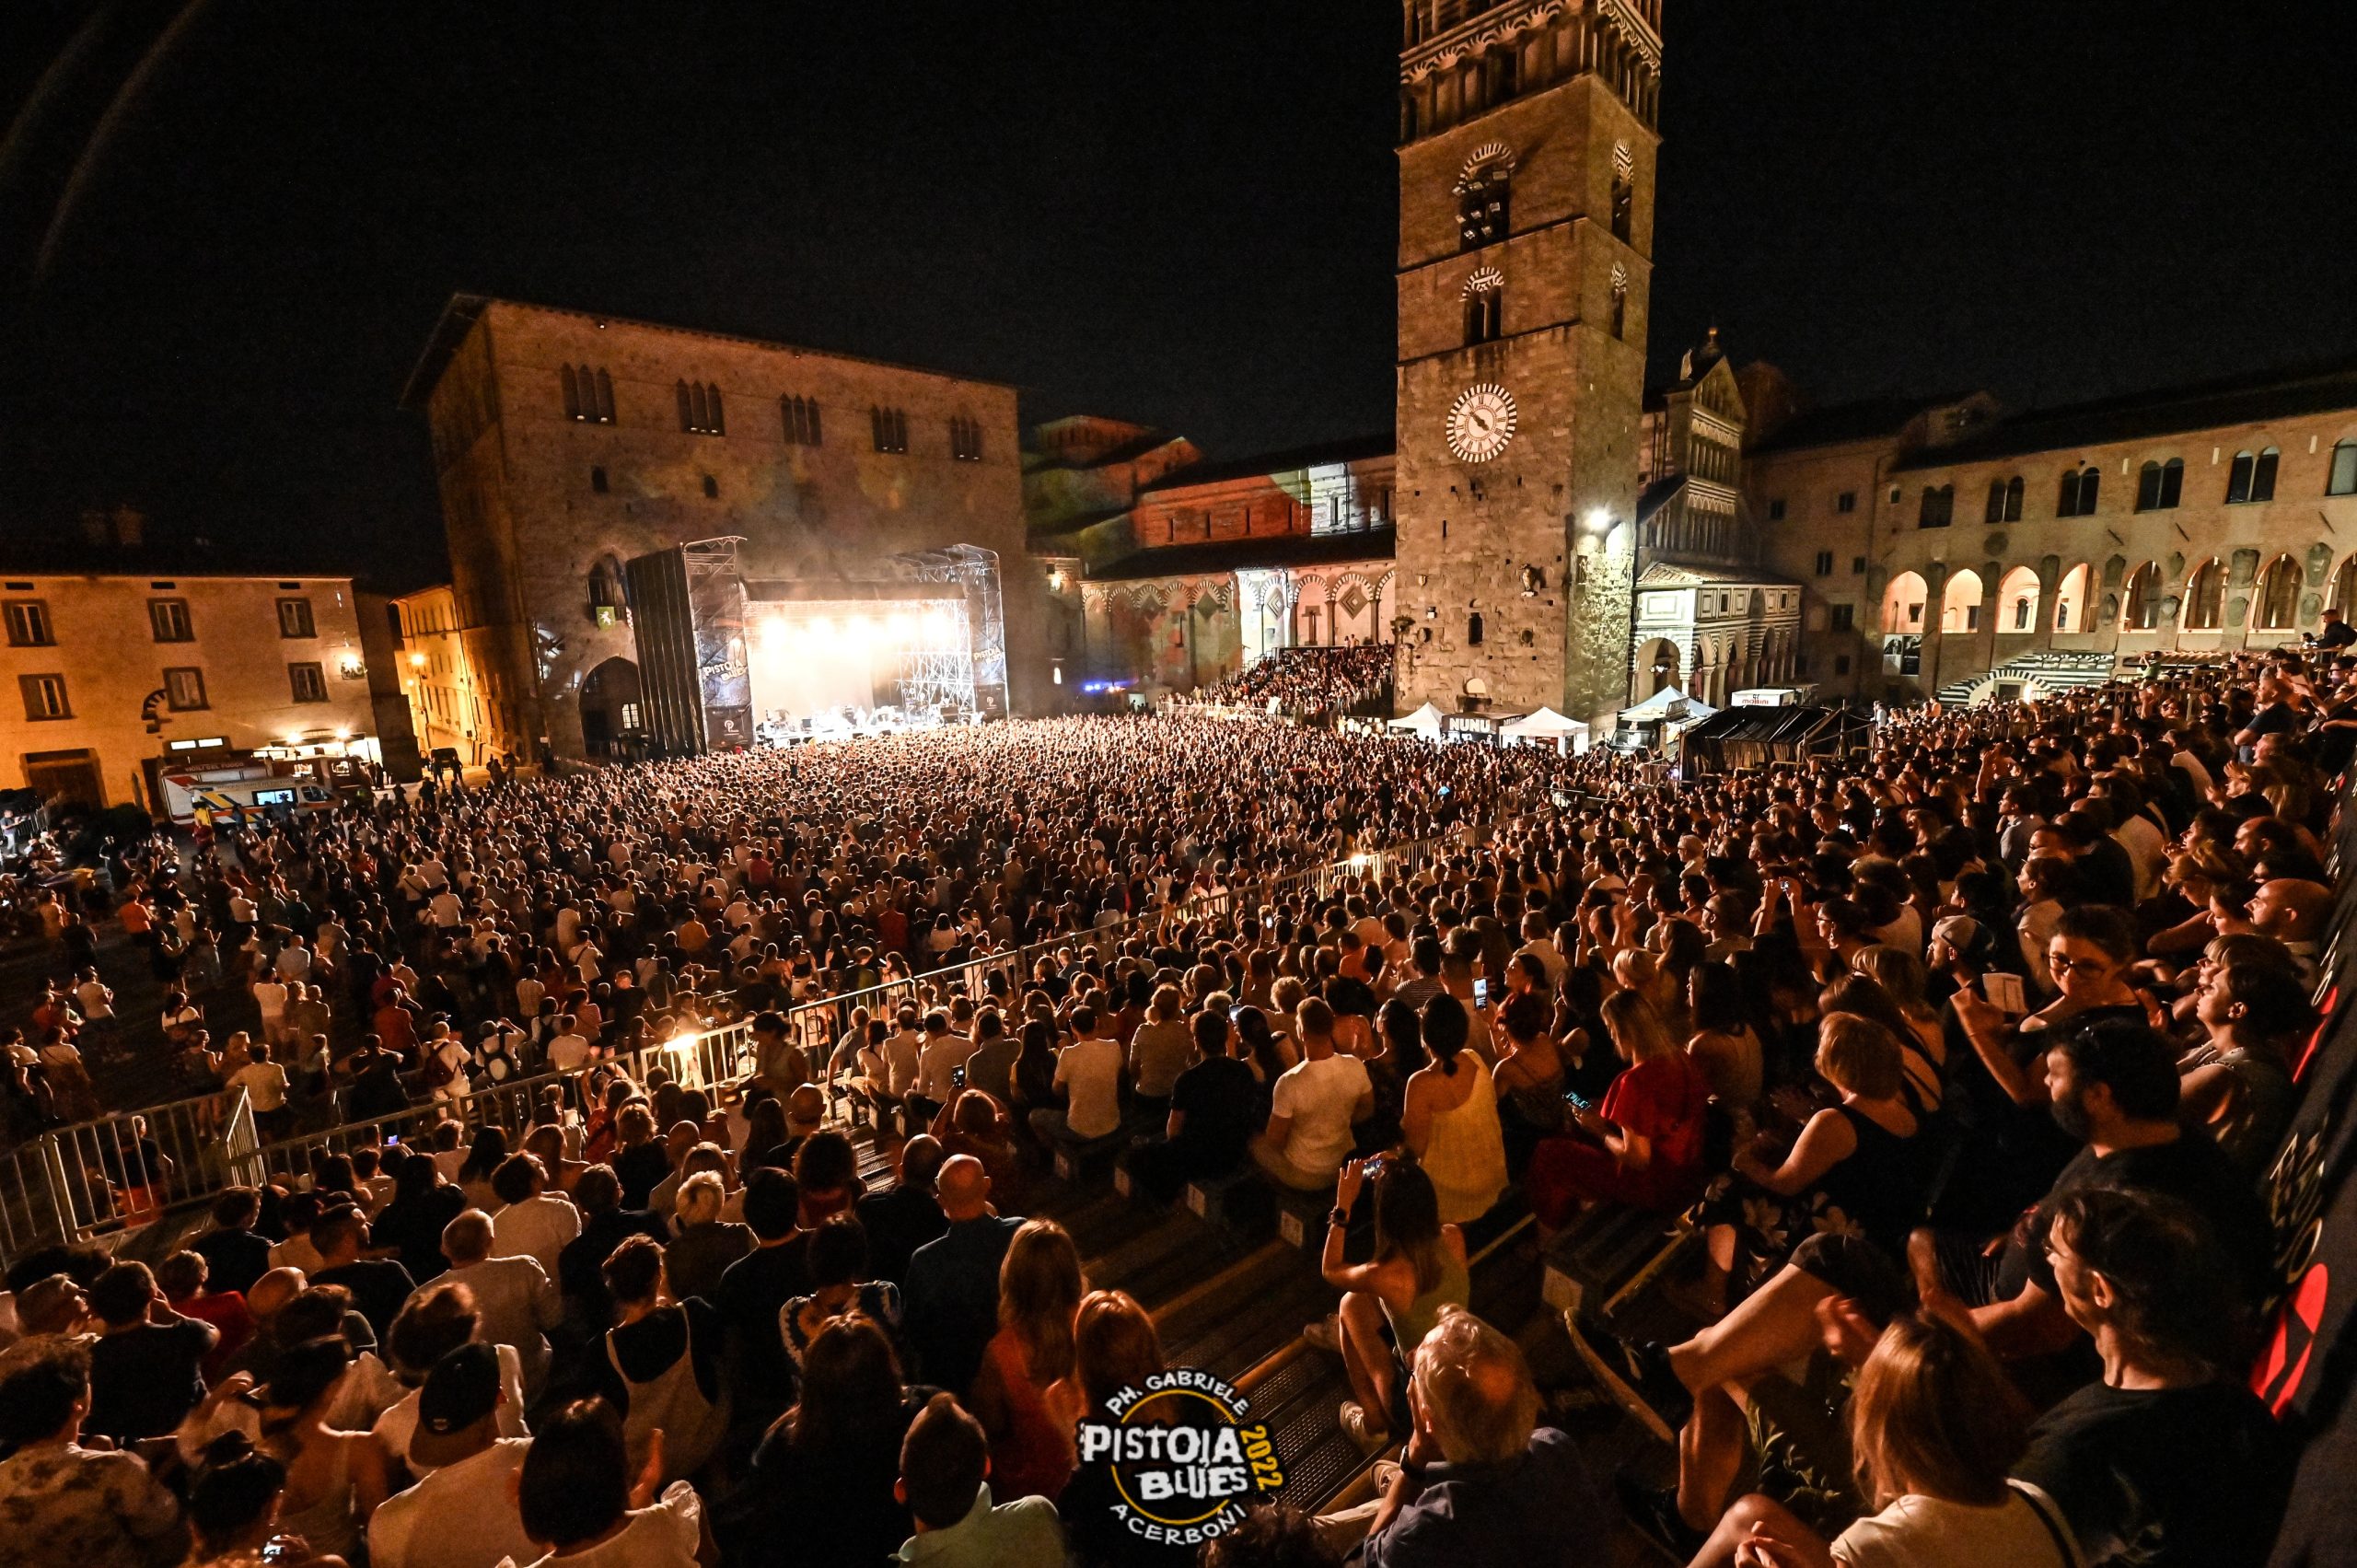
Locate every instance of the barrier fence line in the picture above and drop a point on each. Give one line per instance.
(70, 1183)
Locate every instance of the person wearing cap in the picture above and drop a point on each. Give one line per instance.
(463, 1514)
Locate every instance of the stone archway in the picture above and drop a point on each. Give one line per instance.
(611, 707)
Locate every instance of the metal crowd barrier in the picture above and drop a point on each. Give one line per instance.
(79, 1182)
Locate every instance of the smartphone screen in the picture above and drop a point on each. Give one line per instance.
(1481, 992)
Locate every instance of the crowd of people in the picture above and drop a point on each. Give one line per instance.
(1965, 1060)
(1313, 684)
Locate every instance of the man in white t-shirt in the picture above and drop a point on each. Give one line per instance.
(1312, 1106)
(265, 1082)
(1089, 1071)
(270, 998)
(464, 1512)
(903, 1054)
(568, 1051)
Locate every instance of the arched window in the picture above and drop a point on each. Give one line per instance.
(2279, 596)
(2005, 500)
(2017, 601)
(1902, 603)
(2158, 485)
(2205, 597)
(572, 391)
(1485, 296)
(605, 587)
(1624, 190)
(800, 417)
(710, 487)
(2141, 605)
(1960, 603)
(605, 398)
(965, 439)
(1938, 508)
(700, 408)
(1473, 630)
(2070, 601)
(1620, 300)
(2078, 496)
(2343, 479)
(890, 428)
(1484, 193)
(2344, 587)
(2252, 478)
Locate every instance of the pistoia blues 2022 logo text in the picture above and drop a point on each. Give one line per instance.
(1183, 1457)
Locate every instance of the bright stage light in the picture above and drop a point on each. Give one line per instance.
(901, 627)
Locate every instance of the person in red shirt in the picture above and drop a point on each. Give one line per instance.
(1645, 1145)
(396, 1024)
(181, 1277)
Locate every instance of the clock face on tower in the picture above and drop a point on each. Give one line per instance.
(1480, 422)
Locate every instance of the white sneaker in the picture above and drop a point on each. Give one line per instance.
(1362, 1431)
(1325, 1334)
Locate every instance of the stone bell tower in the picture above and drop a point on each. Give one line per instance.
(1526, 241)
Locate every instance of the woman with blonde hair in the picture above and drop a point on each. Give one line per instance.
(1115, 1348)
(1021, 1395)
(1643, 1146)
(1934, 1427)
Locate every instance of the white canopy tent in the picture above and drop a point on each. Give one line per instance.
(1668, 704)
(1549, 724)
(1426, 720)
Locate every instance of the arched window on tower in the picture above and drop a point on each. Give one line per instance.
(572, 391)
(1484, 193)
(1620, 300)
(2252, 478)
(1473, 630)
(1624, 191)
(1485, 295)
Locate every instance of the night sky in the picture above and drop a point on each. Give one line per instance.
(1180, 215)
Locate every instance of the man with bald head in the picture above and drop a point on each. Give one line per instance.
(516, 1302)
(1481, 1480)
(952, 1285)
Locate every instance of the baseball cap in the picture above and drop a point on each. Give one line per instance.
(462, 1388)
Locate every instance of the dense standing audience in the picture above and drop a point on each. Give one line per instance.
(1964, 1060)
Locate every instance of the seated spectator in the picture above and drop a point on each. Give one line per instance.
(335, 1477)
(952, 1293)
(235, 1254)
(945, 1461)
(1935, 1428)
(755, 1288)
(977, 1125)
(1644, 1148)
(439, 1319)
(1114, 1347)
(1160, 1050)
(1449, 1118)
(1481, 1481)
(378, 1286)
(826, 1171)
(1312, 1107)
(146, 1368)
(237, 1496)
(1856, 1167)
(423, 1203)
(515, 1304)
(1020, 1394)
(703, 1244)
(532, 1222)
(1419, 1270)
(2236, 1084)
(1214, 1105)
(64, 1503)
(1274, 1535)
(462, 1511)
(821, 1488)
(579, 1495)
(841, 1283)
(2166, 1458)
(181, 1277)
(661, 1369)
(898, 1221)
(1090, 1072)
(605, 1224)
